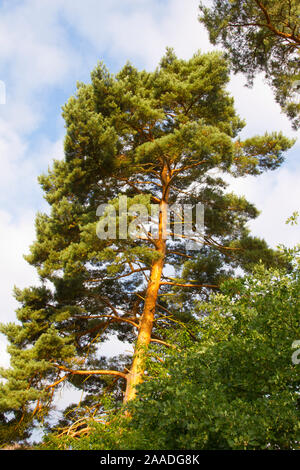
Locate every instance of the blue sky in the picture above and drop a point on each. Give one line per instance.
(46, 46)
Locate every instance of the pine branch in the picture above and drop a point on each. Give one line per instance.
(118, 277)
(159, 341)
(112, 317)
(180, 254)
(188, 285)
(138, 190)
(184, 168)
(91, 372)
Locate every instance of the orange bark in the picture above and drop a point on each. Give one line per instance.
(135, 375)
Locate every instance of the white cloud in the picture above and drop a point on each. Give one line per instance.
(16, 236)
(34, 44)
(12, 150)
(138, 30)
(20, 166)
(257, 106)
(277, 195)
(17, 231)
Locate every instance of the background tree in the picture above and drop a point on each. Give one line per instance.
(237, 387)
(261, 36)
(154, 137)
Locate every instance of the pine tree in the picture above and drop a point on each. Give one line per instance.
(261, 36)
(157, 138)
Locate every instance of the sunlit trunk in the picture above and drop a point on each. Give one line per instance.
(135, 375)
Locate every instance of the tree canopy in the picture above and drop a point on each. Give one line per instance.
(261, 36)
(155, 138)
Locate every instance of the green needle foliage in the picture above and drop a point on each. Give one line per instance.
(154, 137)
(261, 36)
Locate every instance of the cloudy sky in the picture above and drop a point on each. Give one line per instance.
(46, 46)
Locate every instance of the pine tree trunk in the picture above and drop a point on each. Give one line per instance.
(135, 375)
